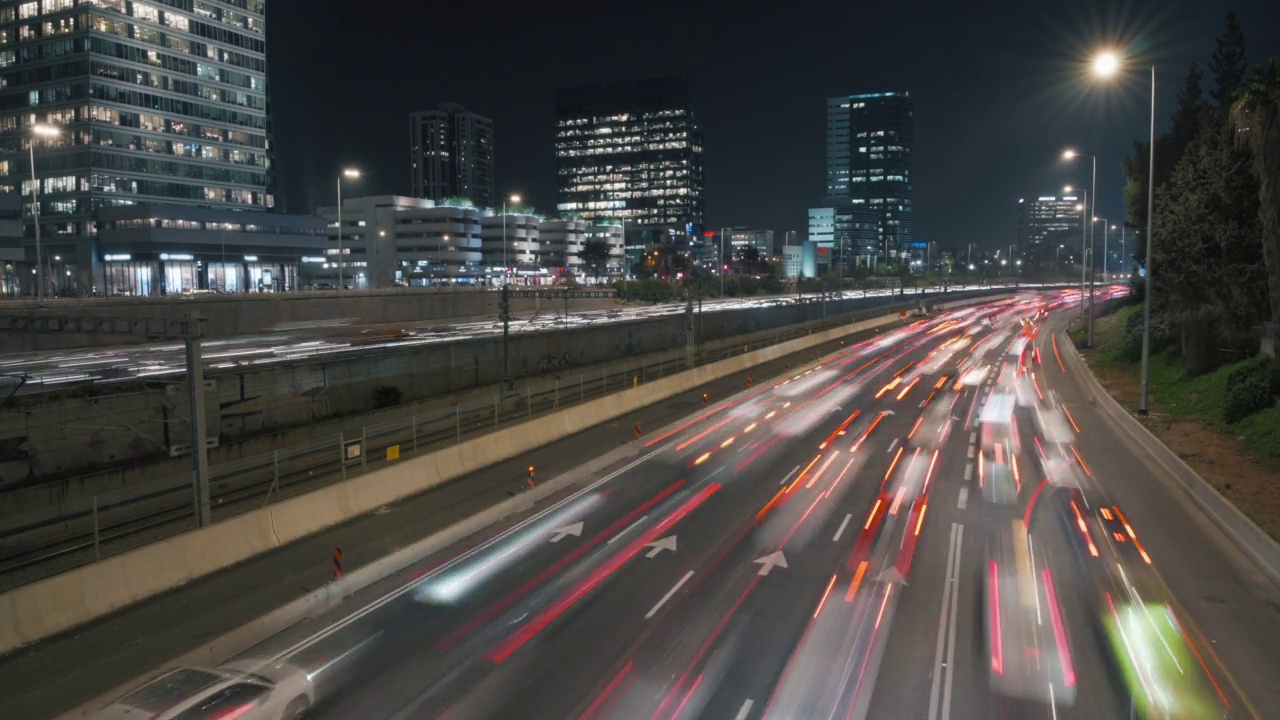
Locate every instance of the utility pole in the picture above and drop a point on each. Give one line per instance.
(504, 314)
(688, 329)
(192, 332)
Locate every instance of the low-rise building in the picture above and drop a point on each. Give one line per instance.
(511, 245)
(390, 240)
(155, 249)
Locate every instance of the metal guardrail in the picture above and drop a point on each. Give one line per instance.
(56, 539)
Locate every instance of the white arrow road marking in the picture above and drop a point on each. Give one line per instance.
(575, 530)
(666, 543)
(891, 576)
(768, 562)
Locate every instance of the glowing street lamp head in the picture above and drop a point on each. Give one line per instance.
(515, 199)
(351, 173)
(1080, 207)
(1068, 189)
(1106, 64)
(45, 130)
(1069, 154)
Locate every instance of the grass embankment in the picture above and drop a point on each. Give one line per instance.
(1241, 459)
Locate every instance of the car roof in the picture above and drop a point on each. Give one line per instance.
(165, 693)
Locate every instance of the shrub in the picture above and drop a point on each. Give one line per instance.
(1251, 386)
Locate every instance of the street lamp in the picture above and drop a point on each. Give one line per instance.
(1093, 192)
(1122, 260)
(506, 265)
(353, 174)
(1084, 248)
(1105, 65)
(1105, 227)
(43, 130)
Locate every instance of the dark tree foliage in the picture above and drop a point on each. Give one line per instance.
(1228, 65)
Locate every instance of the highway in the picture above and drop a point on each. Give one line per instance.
(43, 371)
(934, 523)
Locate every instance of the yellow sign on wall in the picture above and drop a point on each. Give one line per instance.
(393, 453)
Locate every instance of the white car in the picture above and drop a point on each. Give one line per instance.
(242, 690)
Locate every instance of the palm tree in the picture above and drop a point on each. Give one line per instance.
(1255, 115)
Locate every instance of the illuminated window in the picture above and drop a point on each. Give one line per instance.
(28, 9)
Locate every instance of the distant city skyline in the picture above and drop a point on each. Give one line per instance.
(991, 115)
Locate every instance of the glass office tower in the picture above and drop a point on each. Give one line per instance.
(162, 101)
(631, 150)
(870, 142)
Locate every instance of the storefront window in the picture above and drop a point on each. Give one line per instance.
(179, 278)
(130, 279)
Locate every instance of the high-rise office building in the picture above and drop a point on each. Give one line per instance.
(162, 101)
(1047, 222)
(451, 152)
(631, 150)
(870, 141)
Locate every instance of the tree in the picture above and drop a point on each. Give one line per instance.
(1228, 65)
(1255, 117)
(595, 256)
(1191, 113)
(1210, 283)
(1190, 116)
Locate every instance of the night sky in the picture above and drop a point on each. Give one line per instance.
(1000, 91)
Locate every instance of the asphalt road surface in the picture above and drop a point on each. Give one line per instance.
(934, 523)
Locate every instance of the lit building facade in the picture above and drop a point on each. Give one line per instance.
(391, 240)
(611, 235)
(15, 273)
(162, 249)
(511, 241)
(738, 239)
(631, 151)
(850, 233)
(451, 151)
(562, 242)
(870, 145)
(156, 102)
(1047, 222)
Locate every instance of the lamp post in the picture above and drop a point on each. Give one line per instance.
(724, 265)
(1113, 227)
(1090, 209)
(347, 173)
(1105, 227)
(39, 129)
(1105, 65)
(506, 265)
(1084, 246)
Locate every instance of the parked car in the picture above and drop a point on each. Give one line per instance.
(249, 689)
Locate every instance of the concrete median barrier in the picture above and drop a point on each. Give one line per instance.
(62, 602)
